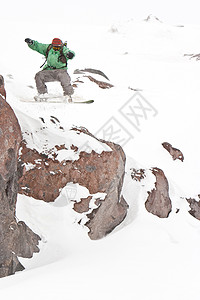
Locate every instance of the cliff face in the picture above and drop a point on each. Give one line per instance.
(16, 239)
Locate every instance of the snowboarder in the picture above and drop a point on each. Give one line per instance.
(55, 67)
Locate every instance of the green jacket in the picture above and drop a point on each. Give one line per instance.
(53, 61)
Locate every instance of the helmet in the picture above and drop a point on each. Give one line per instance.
(56, 42)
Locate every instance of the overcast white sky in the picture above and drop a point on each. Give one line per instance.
(169, 11)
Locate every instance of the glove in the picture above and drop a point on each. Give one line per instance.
(29, 41)
(70, 55)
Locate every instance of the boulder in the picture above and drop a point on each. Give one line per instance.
(194, 207)
(84, 74)
(98, 172)
(158, 201)
(174, 152)
(16, 239)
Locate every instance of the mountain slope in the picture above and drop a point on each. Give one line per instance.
(145, 257)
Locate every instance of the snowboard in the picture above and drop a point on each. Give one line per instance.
(58, 99)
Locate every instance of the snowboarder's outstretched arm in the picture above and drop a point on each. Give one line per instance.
(39, 47)
(69, 54)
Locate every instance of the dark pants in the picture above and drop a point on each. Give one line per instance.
(54, 75)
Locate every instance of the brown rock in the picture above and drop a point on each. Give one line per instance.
(137, 175)
(175, 153)
(195, 207)
(97, 172)
(101, 84)
(83, 205)
(107, 216)
(16, 239)
(90, 70)
(158, 201)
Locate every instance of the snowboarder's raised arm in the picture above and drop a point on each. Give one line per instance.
(39, 47)
(68, 53)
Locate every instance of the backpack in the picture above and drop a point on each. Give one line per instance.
(62, 58)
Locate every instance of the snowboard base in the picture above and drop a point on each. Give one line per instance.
(58, 99)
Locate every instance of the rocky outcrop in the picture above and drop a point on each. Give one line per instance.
(98, 172)
(90, 70)
(108, 215)
(158, 201)
(194, 207)
(175, 153)
(101, 84)
(16, 239)
(84, 72)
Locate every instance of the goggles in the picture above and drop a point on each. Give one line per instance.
(56, 48)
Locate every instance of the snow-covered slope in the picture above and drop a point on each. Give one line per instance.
(145, 257)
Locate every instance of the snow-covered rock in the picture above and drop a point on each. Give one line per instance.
(48, 170)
